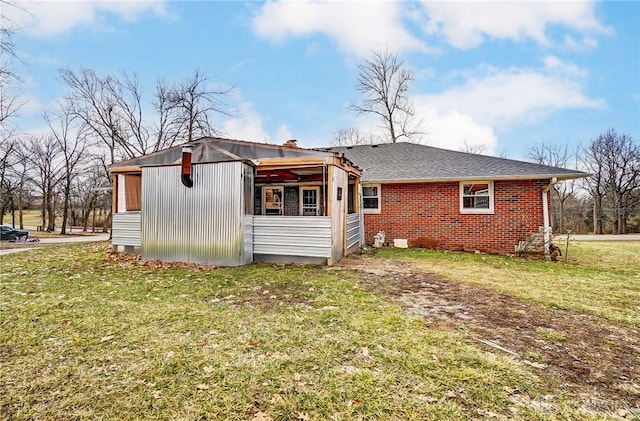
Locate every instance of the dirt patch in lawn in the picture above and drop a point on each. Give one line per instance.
(595, 362)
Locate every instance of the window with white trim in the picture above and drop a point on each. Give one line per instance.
(476, 197)
(309, 201)
(371, 198)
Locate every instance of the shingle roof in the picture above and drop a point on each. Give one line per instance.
(401, 162)
(213, 149)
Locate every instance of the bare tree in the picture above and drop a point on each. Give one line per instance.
(47, 169)
(72, 140)
(351, 136)
(92, 100)
(169, 127)
(474, 149)
(384, 85)
(614, 161)
(196, 105)
(556, 155)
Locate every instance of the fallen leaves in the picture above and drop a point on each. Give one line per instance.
(128, 260)
(261, 416)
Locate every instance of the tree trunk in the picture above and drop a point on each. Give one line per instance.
(65, 207)
(44, 211)
(13, 212)
(597, 214)
(561, 216)
(93, 222)
(20, 210)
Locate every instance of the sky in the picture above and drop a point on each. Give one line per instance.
(501, 75)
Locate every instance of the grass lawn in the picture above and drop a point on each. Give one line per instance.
(601, 278)
(87, 336)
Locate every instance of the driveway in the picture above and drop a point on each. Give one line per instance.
(57, 240)
(592, 237)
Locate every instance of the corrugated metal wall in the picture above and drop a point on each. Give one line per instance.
(203, 224)
(126, 229)
(353, 229)
(308, 236)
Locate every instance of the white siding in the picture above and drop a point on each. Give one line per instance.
(308, 236)
(353, 229)
(126, 229)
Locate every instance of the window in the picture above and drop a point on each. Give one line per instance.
(371, 198)
(309, 201)
(351, 198)
(132, 191)
(476, 197)
(272, 200)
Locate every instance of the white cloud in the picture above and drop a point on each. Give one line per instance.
(493, 100)
(246, 126)
(452, 129)
(45, 18)
(249, 125)
(468, 24)
(503, 98)
(357, 27)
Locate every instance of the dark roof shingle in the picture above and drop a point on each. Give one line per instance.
(401, 162)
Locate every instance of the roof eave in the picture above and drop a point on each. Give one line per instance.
(559, 177)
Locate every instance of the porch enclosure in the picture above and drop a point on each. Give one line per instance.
(235, 214)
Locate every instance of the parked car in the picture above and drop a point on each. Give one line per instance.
(8, 233)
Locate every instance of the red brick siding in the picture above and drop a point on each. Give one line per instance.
(428, 215)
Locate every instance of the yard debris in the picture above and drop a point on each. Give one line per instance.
(129, 259)
(261, 416)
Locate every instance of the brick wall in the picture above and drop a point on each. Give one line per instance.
(428, 215)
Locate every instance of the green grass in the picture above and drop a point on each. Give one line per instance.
(600, 278)
(87, 337)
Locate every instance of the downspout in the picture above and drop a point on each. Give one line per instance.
(187, 180)
(545, 214)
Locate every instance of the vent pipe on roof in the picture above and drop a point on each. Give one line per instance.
(186, 165)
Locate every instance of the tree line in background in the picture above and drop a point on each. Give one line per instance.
(102, 119)
(606, 202)
(64, 170)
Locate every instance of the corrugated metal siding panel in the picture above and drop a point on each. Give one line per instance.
(308, 236)
(203, 224)
(165, 222)
(353, 229)
(217, 234)
(126, 229)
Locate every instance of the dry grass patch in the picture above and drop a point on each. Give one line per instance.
(601, 278)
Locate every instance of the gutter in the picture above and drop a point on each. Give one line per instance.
(545, 213)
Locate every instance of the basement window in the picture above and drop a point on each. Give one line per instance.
(371, 198)
(476, 197)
